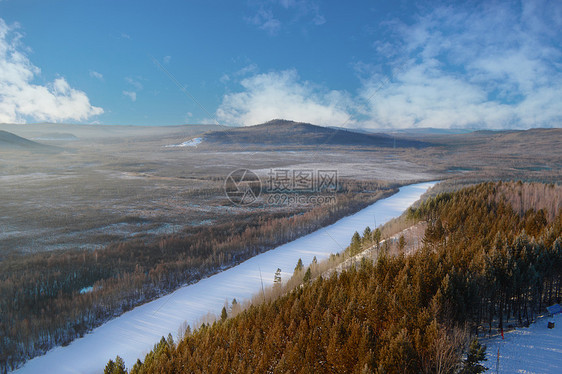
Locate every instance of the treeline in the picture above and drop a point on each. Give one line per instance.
(42, 306)
(482, 266)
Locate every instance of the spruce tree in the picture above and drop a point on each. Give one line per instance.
(119, 366)
(109, 367)
(307, 275)
(367, 235)
(476, 354)
(277, 277)
(299, 266)
(355, 246)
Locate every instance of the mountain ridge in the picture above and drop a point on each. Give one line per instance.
(279, 132)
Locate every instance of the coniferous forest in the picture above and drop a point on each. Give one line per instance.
(491, 259)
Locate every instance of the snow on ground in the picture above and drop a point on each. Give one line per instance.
(536, 349)
(189, 143)
(134, 333)
(87, 289)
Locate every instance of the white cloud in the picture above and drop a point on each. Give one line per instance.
(131, 94)
(22, 100)
(95, 74)
(264, 20)
(134, 82)
(248, 69)
(485, 67)
(167, 59)
(283, 95)
(291, 11)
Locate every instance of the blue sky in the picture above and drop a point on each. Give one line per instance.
(362, 64)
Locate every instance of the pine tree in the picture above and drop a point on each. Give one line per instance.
(117, 367)
(377, 237)
(277, 277)
(136, 367)
(476, 354)
(307, 275)
(355, 246)
(170, 340)
(299, 266)
(224, 314)
(367, 235)
(109, 367)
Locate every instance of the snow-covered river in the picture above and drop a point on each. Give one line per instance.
(134, 333)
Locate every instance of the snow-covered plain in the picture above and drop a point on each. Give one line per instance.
(536, 349)
(134, 333)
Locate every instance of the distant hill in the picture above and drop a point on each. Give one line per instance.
(426, 131)
(289, 133)
(12, 141)
(86, 133)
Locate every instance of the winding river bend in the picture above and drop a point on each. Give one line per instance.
(134, 333)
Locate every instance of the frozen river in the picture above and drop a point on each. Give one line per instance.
(134, 333)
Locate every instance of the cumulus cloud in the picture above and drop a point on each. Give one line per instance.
(21, 100)
(283, 95)
(493, 66)
(487, 65)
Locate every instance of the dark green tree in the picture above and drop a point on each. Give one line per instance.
(299, 266)
(367, 235)
(117, 367)
(277, 277)
(109, 367)
(355, 246)
(224, 314)
(476, 354)
(307, 275)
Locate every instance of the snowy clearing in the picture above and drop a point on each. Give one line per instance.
(134, 333)
(536, 349)
(189, 143)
